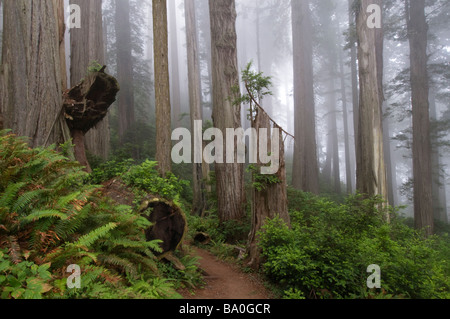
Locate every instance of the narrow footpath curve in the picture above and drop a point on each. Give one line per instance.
(225, 281)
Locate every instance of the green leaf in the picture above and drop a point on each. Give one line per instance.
(93, 236)
(40, 214)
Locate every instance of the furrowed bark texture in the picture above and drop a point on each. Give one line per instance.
(422, 171)
(162, 87)
(225, 76)
(271, 201)
(305, 171)
(31, 72)
(371, 172)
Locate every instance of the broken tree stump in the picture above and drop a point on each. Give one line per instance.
(168, 224)
(85, 105)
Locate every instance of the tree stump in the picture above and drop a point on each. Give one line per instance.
(168, 220)
(86, 105)
(168, 224)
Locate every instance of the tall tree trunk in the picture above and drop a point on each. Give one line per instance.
(31, 80)
(87, 46)
(1, 34)
(305, 171)
(390, 168)
(422, 172)
(438, 184)
(371, 171)
(125, 99)
(162, 87)
(348, 160)
(175, 97)
(271, 201)
(354, 72)
(195, 102)
(225, 76)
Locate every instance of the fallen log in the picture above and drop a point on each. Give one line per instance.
(85, 105)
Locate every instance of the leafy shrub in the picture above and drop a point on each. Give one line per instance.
(109, 170)
(146, 177)
(326, 252)
(24, 280)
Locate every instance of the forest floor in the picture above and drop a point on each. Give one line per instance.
(225, 281)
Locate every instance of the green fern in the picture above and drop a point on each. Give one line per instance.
(40, 214)
(67, 227)
(10, 193)
(125, 264)
(26, 200)
(93, 236)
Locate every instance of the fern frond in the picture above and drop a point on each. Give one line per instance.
(64, 200)
(93, 236)
(10, 193)
(127, 243)
(122, 263)
(40, 214)
(26, 199)
(67, 227)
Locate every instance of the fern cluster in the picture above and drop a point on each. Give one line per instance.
(49, 216)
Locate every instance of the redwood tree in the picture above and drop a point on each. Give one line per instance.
(225, 77)
(195, 102)
(370, 170)
(31, 80)
(125, 99)
(422, 170)
(305, 171)
(162, 87)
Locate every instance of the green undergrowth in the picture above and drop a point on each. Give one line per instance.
(329, 246)
(52, 217)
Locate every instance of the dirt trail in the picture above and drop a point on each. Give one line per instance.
(225, 281)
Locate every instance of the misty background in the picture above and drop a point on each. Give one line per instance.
(264, 33)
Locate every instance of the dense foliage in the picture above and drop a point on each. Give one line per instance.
(50, 219)
(326, 252)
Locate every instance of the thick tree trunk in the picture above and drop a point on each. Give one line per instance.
(125, 99)
(305, 171)
(162, 87)
(87, 46)
(422, 172)
(31, 72)
(271, 201)
(371, 172)
(195, 102)
(230, 176)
